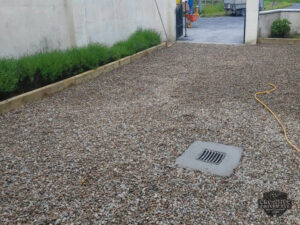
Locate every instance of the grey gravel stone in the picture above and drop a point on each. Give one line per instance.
(111, 145)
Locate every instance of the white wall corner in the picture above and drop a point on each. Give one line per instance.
(252, 22)
(172, 21)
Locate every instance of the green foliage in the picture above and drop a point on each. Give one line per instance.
(139, 41)
(30, 72)
(280, 28)
(290, 1)
(8, 77)
(295, 35)
(120, 49)
(142, 39)
(213, 10)
(277, 4)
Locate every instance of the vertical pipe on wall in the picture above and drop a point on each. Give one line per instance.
(161, 20)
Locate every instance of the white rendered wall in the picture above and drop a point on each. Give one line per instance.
(109, 21)
(29, 26)
(266, 18)
(251, 21)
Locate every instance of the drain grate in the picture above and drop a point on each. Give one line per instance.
(211, 156)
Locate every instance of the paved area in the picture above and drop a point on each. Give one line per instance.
(222, 30)
(104, 152)
(294, 6)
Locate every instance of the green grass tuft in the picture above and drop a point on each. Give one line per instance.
(277, 4)
(8, 76)
(213, 10)
(296, 35)
(34, 71)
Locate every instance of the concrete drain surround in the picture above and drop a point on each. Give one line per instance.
(211, 158)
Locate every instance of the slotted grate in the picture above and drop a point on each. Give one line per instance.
(211, 156)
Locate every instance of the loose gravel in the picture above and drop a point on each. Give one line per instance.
(104, 152)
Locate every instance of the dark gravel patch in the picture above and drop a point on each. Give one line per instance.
(104, 152)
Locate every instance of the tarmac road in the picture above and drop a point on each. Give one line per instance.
(294, 6)
(223, 30)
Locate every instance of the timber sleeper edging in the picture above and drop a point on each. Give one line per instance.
(282, 41)
(37, 94)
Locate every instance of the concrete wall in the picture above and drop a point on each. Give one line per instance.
(29, 26)
(251, 21)
(266, 18)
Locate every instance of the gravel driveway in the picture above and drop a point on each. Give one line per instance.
(104, 152)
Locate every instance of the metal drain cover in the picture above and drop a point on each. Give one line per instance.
(211, 157)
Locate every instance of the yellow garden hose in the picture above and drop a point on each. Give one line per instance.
(275, 116)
